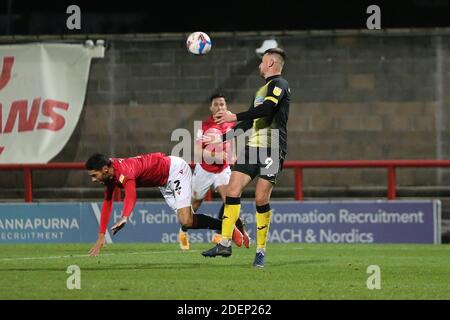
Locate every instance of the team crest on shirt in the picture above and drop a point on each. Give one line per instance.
(121, 178)
(277, 91)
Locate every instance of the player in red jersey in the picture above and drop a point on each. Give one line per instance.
(214, 168)
(171, 174)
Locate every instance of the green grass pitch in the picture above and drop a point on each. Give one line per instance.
(161, 271)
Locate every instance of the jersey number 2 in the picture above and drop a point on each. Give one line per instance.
(177, 185)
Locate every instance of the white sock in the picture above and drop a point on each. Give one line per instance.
(225, 242)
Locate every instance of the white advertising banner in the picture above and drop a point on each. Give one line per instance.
(42, 92)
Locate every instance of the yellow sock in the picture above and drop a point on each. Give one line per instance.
(262, 224)
(230, 215)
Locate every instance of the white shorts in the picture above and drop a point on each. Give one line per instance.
(177, 191)
(202, 181)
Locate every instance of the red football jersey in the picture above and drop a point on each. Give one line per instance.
(148, 170)
(209, 124)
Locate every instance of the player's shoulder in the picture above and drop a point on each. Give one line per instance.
(208, 121)
(120, 165)
(116, 162)
(153, 155)
(121, 169)
(280, 82)
(211, 125)
(229, 125)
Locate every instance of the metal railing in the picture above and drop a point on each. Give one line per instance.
(298, 166)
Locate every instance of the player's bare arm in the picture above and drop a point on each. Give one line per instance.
(99, 244)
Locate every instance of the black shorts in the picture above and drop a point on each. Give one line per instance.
(259, 162)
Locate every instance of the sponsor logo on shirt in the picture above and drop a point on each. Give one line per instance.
(277, 91)
(258, 101)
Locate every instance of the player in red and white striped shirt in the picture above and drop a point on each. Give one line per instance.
(171, 174)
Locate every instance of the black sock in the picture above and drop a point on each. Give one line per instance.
(202, 221)
(220, 215)
(184, 229)
(240, 225)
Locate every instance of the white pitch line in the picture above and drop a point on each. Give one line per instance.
(103, 254)
(86, 255)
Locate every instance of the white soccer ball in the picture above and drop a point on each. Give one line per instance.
(198, 43)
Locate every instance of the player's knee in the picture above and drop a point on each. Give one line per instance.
(261, 199)
(233, 191)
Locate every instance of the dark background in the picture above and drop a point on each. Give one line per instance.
(132, 16)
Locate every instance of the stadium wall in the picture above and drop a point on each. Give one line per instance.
(355, 95)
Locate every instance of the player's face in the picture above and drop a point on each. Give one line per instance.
(264, 65)
(218, 104)
(100, 176)
(267, 62)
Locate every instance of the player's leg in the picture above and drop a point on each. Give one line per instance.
(217, 237)
(196, 203)
(181, 176)
(182, 184)
(200, 185)
(220, 184)
(263, 216)
(201, 182)
(237, 183)
(244, 171)
(222, 190)
(168, 195)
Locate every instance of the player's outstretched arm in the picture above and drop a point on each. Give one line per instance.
(104, 218)
(128, 205)
(95, 250)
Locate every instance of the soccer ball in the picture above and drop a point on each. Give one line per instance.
(198, 43)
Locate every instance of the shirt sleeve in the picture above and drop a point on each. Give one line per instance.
(130, 198)
(275, 92)
(106, 209)
(243, 125)
(263, 110)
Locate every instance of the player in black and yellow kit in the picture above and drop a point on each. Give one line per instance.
(263, 156)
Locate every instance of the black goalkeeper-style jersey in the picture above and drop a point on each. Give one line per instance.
(274, 98)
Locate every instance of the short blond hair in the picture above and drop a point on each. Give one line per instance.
(279, 53)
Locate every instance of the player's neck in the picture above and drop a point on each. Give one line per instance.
(271, 74)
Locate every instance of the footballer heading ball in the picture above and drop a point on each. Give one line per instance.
(198, 43)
